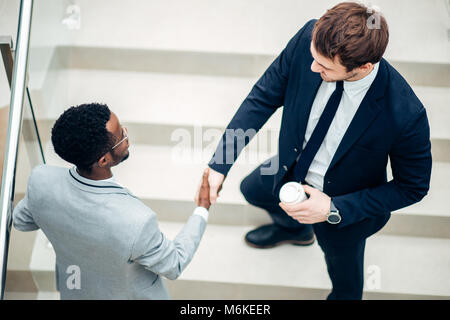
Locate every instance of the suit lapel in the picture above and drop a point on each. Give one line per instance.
(309, 86)
(366, 113)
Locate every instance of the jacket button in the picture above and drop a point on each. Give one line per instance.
(328, 182)
(285, 168)
(295, 149)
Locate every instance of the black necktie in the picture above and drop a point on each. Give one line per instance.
(319, 133)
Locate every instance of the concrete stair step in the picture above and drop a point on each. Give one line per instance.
(192, 99)
(289, 272)
(155, 134)
(418, 31)
(30, 274)
(158, 107)
(162, 98)
(167, 182)
(194, 62)
(304, 267)
(41, 295)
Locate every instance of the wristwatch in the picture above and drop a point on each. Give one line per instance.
(333, 216)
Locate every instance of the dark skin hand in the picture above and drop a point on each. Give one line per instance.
(203, 195)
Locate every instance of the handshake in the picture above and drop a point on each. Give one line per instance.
(209, 189)
(313, 210)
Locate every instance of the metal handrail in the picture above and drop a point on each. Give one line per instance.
(18, 88)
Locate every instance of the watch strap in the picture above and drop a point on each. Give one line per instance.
(333, 207)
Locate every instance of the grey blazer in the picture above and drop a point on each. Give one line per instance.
(107, 242)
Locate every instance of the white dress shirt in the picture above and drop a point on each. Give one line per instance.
(354, 92)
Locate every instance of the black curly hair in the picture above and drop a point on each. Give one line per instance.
(80, 137)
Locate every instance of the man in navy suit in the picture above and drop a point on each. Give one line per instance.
(346, 111)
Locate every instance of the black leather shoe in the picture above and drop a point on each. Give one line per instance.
(271, 235)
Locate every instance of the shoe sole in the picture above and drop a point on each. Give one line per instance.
(294, 242)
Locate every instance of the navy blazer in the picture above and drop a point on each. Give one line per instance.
(390, 122)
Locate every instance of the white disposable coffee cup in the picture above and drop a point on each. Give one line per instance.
(292, 192)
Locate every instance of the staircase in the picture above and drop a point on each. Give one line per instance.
(175, 73)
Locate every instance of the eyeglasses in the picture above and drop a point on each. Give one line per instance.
(125, 137)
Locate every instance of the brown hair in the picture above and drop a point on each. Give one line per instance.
(353, 32)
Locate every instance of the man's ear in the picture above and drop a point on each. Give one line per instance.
(104, 160)
(367, 66)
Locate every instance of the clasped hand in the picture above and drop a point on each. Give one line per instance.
(210, 187)
(202, 198)
(313, 210)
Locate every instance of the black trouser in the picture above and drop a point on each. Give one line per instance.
(343, 248)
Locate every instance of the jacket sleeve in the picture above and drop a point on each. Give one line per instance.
(411, 170)
(265, 97)
(164, 256)
(22, 217)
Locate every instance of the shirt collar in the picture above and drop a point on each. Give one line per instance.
(112, 179)
(352, 88)
(96, 186)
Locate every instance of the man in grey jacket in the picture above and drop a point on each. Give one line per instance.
(100, 231)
